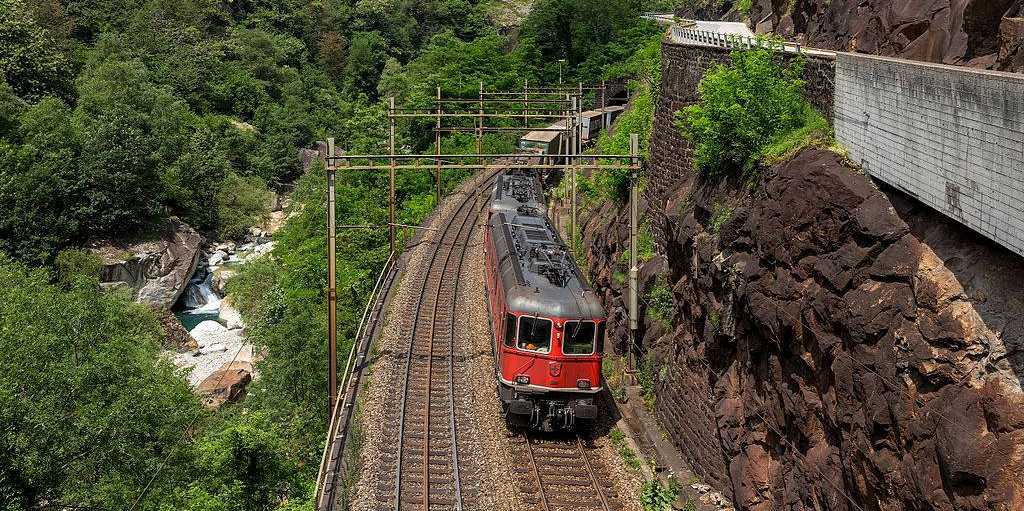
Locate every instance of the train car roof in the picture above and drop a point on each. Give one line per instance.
(545, 136)
(612, 108)
(538, 274)
(590, 114)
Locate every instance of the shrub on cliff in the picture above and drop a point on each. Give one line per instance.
(751, 112)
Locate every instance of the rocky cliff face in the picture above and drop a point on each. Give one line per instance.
(156, 270)
(824, 357)
(981, 33)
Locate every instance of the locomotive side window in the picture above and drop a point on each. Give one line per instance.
(600, 337)
(510, 330)
(534, 334)
(579, 338)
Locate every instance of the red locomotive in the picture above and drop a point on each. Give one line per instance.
(548, 324)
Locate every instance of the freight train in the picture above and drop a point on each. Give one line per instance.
(548, 325)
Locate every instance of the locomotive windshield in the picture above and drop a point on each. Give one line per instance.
(579, 338)
(535, 334)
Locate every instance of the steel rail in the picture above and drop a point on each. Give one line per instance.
(536, 472)
(430, 366)
(593, 476)
(451, 362)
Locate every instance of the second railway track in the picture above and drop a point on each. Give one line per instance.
(428, 471)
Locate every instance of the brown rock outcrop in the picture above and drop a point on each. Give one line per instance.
(225, 385)
(959, 32)
(823, 357)
(175, 335)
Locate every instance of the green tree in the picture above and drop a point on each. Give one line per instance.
(745, 107)
(365, 62)
(87, 407)
(31, 58)
(242, 201)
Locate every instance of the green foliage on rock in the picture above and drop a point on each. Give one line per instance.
(660, 303)
(750, 111)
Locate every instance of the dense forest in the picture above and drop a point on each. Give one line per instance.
(118, 114)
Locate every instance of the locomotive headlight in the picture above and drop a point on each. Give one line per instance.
(583, 384)
(522, 379)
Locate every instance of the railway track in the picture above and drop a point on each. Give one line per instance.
(428, 471)
(560, 474)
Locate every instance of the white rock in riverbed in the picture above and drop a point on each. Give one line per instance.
(217, 258)
(217, 346)
(230, 315)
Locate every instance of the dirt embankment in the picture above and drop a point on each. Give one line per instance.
(979, 33)
(824, 355)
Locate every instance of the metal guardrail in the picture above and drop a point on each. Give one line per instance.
(697, 37)
(337, 433)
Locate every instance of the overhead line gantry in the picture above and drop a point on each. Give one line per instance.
(562, 107)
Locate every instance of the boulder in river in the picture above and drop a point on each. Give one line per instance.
(157, 269)
(225, 385)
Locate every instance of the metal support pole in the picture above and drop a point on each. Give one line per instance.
(574, 135)
(437, 146)
(526, 103)
(480, 123)
(634, 151)
(391, 176)
(332, 291)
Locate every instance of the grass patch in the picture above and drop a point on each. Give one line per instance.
(628, 455)
(815, 132)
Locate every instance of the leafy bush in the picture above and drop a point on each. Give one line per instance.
(749, 110)
(88, 407)
(31, 57)
(242, 201)
(655, 496)
(645, 67)
(73, 265)
(660, 304)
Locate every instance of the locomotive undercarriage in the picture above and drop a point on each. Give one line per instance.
(546, 411)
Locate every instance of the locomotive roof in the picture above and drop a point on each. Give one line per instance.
(516, 189)
(538, 274)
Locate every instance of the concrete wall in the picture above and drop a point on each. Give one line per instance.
(952, 137)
